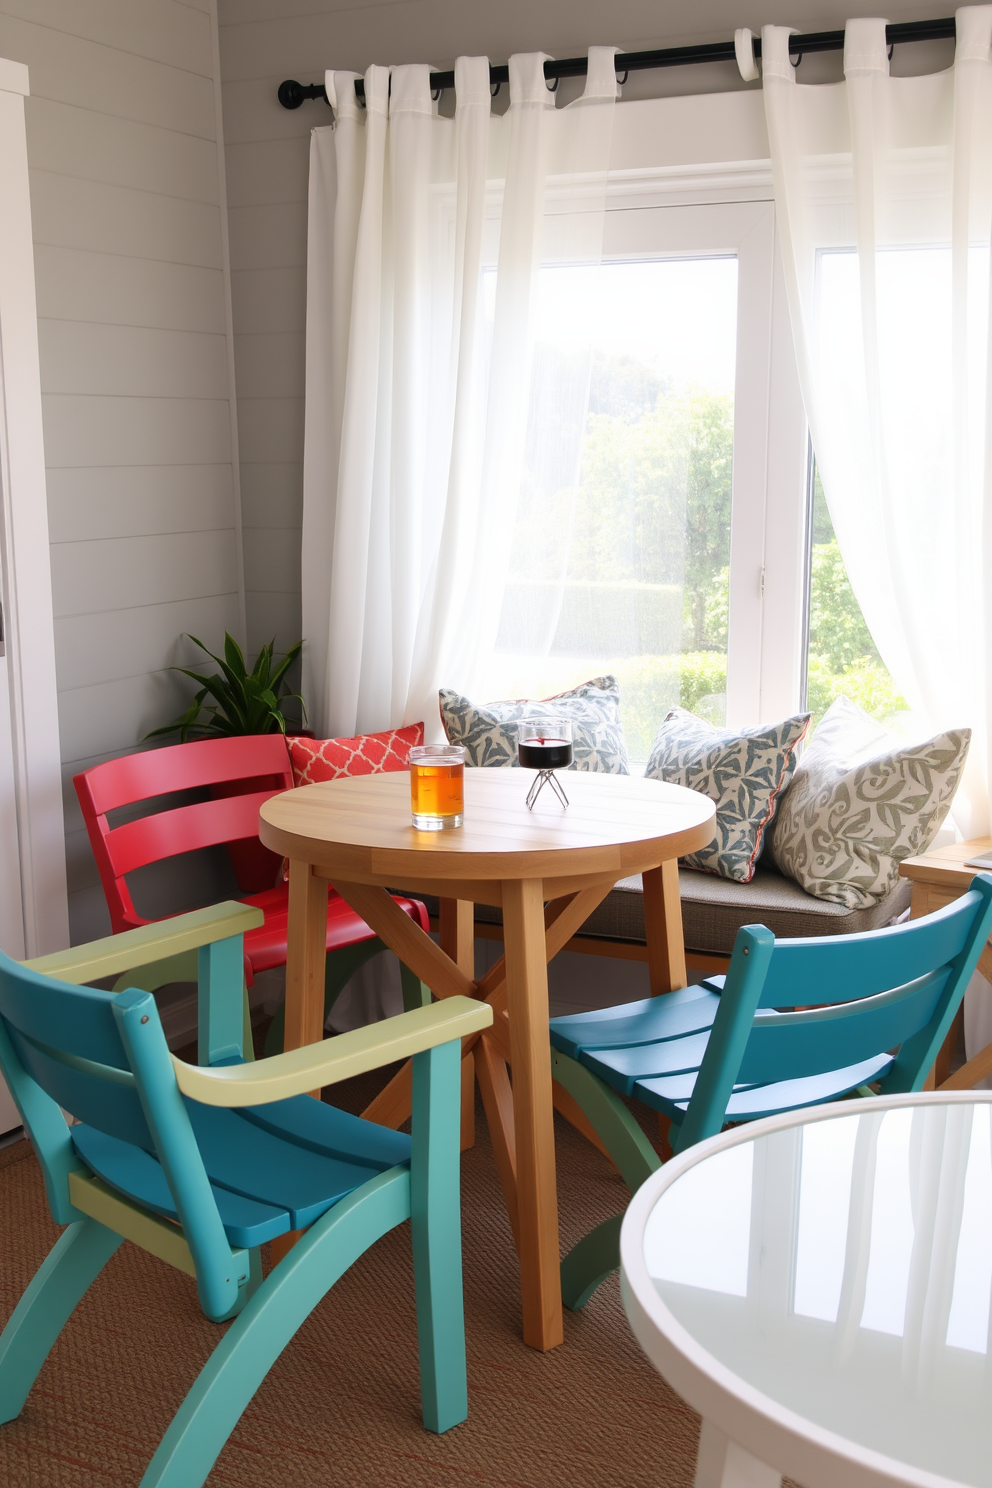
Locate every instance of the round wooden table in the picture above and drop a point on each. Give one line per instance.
(548, 870)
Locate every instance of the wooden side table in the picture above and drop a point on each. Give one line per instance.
(938, 878)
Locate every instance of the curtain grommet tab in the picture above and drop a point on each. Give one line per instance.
(744, 49)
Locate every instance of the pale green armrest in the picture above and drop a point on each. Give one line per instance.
(117, 953)
(316, 1065)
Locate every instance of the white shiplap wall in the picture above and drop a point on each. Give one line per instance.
(133, 302)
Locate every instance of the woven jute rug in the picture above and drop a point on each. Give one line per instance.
(341, 1405)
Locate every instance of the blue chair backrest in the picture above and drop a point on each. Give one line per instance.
(892, 989)
(102, 1056)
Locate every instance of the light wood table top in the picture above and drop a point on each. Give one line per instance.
(945, 866)
(360, 828)
(548, 870)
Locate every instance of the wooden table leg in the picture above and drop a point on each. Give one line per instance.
(980, 1064)
(533, 1114)
(306, 943)
(976, 1068)
(305, 956)
(919, 900)
(918, 907)
(666, 947)
(663, 928)
(456, 924)
(497, 1097)
(968, 1076)
(948, 1049)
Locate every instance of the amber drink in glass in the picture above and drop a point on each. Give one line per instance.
(437, 786)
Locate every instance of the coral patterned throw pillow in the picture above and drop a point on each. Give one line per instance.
(367, 754)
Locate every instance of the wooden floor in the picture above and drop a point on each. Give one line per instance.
(341, 1405)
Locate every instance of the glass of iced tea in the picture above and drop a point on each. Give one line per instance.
(437, 786)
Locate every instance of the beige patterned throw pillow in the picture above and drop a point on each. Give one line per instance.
(860, 802)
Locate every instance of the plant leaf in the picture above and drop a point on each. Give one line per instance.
(234, 656)
(241, 702)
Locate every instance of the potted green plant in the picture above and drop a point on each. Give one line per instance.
(242, 701)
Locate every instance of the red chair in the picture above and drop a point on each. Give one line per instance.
(240, 773)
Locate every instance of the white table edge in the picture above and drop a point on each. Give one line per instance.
(781, 1438)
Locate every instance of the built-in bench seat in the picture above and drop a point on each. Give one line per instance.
(713, 910)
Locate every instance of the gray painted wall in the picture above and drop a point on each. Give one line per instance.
(133, 303)
(264, 41)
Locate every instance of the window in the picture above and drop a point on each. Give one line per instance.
(841, 656)
(651, 560)
(634, 576)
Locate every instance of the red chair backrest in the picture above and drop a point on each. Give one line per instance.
(157, 772)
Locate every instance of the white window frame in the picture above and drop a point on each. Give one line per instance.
(692, 176)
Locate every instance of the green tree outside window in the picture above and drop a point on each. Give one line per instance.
(645, 589)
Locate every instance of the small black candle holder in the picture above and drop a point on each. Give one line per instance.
(545, 746)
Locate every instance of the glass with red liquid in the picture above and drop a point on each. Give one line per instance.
(544, 744)
(437, 786)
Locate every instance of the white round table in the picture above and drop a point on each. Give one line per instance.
(817, 1285)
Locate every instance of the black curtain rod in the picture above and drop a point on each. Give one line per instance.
(292, 94)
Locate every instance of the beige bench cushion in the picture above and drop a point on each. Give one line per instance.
(714, 909)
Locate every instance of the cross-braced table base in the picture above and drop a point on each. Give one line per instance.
(520, 1116)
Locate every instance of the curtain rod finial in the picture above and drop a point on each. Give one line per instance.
(290, 94)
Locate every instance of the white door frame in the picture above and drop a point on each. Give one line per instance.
(25, 579)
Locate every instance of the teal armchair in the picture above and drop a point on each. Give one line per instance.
(793, 1023)
(202, 1164)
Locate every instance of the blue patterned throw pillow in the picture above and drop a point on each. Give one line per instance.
(487, 729)
(743, 771)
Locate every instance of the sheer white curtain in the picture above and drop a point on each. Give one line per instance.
(883, 191)
(426, 237)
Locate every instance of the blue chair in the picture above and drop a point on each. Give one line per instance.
(203, 1164)
(793, 1023)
